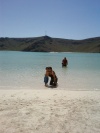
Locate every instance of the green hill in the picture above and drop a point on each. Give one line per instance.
(49, 44)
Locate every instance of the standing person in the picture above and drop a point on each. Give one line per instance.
(50, 73)
(64, 62)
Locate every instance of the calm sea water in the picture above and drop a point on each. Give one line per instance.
(20, 70)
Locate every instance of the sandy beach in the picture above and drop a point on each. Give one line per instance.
(49, 111)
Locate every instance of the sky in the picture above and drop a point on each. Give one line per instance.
(69, 19)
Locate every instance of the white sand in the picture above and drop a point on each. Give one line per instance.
(49, 111)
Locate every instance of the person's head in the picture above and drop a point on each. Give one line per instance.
(46, 68)
(49, 69)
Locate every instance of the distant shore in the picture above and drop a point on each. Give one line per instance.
(50, 44)
(49, 111)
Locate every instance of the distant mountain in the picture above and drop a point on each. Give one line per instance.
(49, 44)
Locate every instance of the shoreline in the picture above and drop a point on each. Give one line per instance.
(49, 111)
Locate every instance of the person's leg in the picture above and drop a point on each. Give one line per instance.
(46, 80)
(55, 83)
(51, 82)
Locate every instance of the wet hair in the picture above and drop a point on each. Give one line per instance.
(50, 68)
(47, 68)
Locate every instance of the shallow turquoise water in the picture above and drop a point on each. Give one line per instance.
(26, 70)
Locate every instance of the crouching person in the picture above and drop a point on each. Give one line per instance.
(50, 73)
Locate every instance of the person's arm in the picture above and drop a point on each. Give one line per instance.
(62, 61)
(47, 73)
(54, 76)
(67, 62)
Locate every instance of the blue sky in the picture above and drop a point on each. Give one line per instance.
(69, 19)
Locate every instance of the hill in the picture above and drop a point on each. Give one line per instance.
(49, 44)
